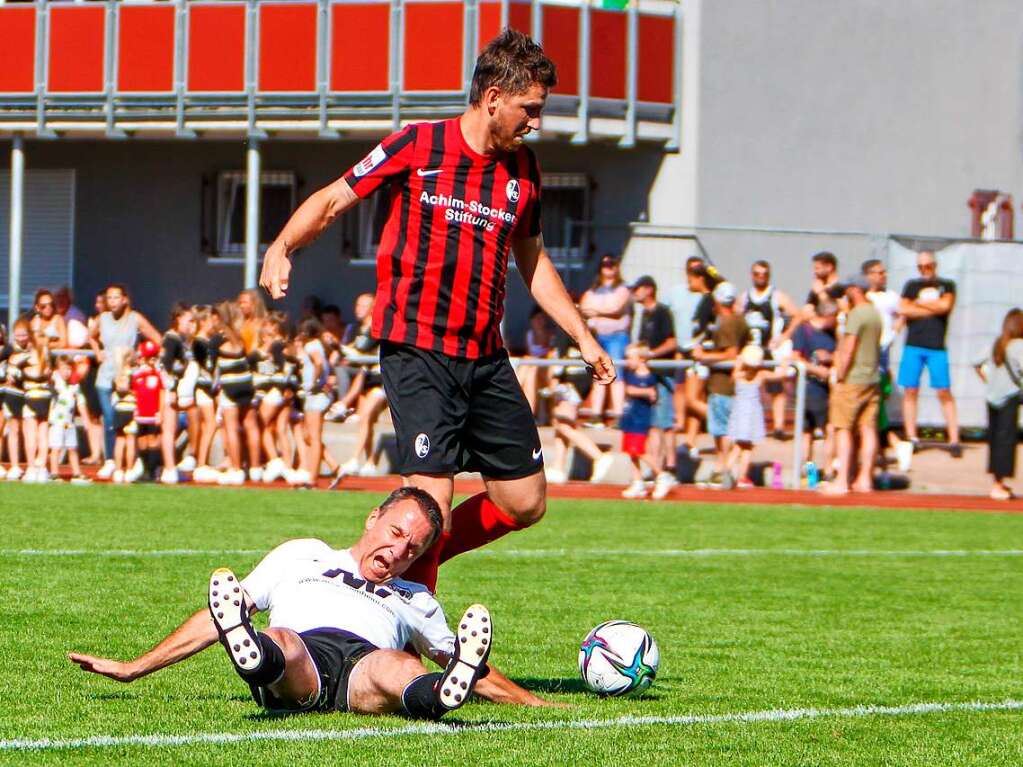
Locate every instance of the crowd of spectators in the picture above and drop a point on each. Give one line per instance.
(153, 405)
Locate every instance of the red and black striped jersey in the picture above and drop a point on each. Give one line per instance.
(443, 253)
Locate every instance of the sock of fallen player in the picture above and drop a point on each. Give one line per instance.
(419, 699)
(270, 669)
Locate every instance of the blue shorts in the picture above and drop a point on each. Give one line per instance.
(719, 410)
(915, 359)
(614, 344)
(664, 409)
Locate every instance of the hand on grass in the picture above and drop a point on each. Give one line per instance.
(112, 669)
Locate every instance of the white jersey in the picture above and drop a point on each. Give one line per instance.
(305, 584)
(887, 304)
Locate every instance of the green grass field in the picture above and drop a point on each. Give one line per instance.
(785, 609)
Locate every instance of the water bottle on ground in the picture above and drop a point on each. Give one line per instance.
(776, 480)
(813, 477)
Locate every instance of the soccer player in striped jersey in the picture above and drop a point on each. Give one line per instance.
(464, 194)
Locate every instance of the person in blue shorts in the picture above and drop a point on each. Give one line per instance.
(926, 304)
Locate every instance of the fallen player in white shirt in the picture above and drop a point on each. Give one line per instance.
(339, 622)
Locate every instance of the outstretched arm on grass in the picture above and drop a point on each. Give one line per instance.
(194, 635)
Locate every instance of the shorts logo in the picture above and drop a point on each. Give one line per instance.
(422, 446)
(511, 189)
(370, 162)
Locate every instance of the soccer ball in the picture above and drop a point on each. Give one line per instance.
(618, 658)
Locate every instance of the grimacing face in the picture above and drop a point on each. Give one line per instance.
(392, 541)
(514, 116)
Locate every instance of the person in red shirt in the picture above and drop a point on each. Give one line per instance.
(464, 194)
(147, 386)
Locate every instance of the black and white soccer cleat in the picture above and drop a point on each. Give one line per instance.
(473, 640)
(231, 617)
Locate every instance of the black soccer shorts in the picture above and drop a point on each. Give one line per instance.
(452, 414)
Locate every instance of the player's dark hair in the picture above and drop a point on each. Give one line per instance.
(513, 62)
(826, 257)
(177, 309)
(427, 504)
(118, 286)
(869, 264)
(310, 327)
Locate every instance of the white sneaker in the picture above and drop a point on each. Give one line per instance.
(79, 479)
(232, 477)
(118, 477)
(556, 476)
(602, 467)
(299, 477)
(134, 474)
(106, 471)
(256, 474)
(663, 485)
(205, 475)
(42, 475)
(636, 490)
(187, 464)
(369, 470)
(3, 473)
(14, 474)
(29, 475)
(350, 468)
(274, 470)
(169, 476)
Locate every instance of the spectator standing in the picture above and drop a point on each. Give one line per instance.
(887, 304)
(89, 406)
(1002, 373)
(926, 305)
(656, 339)
(46, 322)
(729, 335)
(767, 311)
(607, 307)
(539, 339)
(637, 416)
(62, 432)
(66, 308)
(251, 313)
(746, 421)
(856, 392)
(114, 333)
(814, 344)
(693, 404)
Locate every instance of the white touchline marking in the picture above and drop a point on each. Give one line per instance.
(540, 553)
(775, 715)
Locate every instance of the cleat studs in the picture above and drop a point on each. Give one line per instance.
(230, 578)
(464, 686)
(447, 692)
(486, 630)
(253, 655)
(474, 633)
(484, 619)
(464, 626)
(216, 604)
(463, 640)
(458, 697)
(220, 615)
(214, 593)
(236, 589)
(468, 615)
(479, 651)
(241, 661)
(216, 583)
(236, 603)
(246, 643)
(484, 642)
(237, 648)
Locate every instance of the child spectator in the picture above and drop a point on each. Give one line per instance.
(35, 378)
(124, 418)
(637, 417)
(63, 434)
(147, 387)
(746, 421)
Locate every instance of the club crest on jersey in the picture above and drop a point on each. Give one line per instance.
(370, 161)
(422, 446)
(511, 189)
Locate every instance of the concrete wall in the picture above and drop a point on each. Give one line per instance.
(868, 115)
(138, 215)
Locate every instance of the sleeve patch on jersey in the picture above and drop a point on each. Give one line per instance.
(370, 161)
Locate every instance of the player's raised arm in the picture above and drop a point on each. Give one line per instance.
(313, 216)
(194, 635)
(544, 283)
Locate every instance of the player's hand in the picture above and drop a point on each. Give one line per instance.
(601, 366)
(112, 669)
(276, 270)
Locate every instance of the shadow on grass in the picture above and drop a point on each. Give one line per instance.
(569, 685)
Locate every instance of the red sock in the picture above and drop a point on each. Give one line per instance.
(475, 523)
(424, 569)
